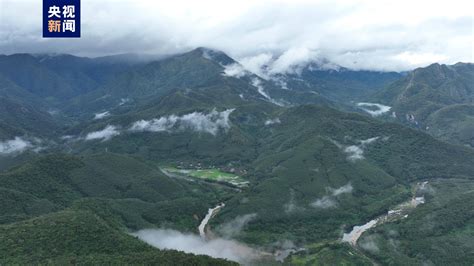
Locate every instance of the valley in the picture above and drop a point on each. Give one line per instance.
(191, 159)
(399, 212)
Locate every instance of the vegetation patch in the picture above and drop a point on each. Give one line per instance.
(214, 175)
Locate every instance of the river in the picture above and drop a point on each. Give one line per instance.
(399, 212)
(210, 213)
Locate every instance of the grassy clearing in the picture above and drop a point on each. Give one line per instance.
(210, 174)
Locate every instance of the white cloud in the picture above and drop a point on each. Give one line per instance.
(270, 122)
(368, 141)
(210, 123)
(257, 63)
(380, 109)
(101, 115)
(233, 227)
(196, 121)
(344, 189)
(234, 70)
(257, 83)
(104, 134)
(356, 152)
(329, 201)
(286, 248)
(191, 243)
(292, 60)
(16, 145)
(123, 101)
(360, 34)
(291, 206)
(53, 112)
(324, 203)
(419, 58)
(369, 244)
(155, 125)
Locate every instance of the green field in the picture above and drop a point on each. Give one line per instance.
(209, 174)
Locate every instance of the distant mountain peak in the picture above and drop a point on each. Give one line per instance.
(464, 64)
(43, 55)
(214, 55)
(324, 65)
(23, 57)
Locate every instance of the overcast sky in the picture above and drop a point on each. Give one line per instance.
(377, 34)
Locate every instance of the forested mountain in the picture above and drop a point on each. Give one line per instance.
(438, 99)
(93, 151)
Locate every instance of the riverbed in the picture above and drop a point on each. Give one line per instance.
(399, 212)
(210, 213)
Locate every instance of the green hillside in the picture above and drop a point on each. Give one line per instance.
(34, 77)
(341, 84)
(81, 237)
(453, 123)
(57, 181)
(100, 197)
(299, 160)
(438, 99)
(293, 163)
(440, 232)
(22, 113)
(155, 144)
(188, 72)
